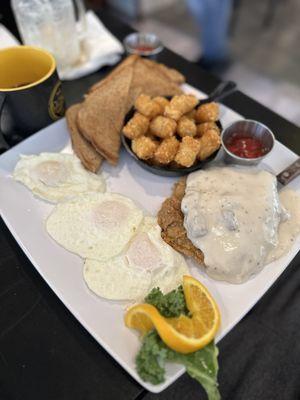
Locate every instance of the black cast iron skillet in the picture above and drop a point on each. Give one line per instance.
(221, 91)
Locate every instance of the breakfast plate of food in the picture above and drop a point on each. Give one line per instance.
(157, 268)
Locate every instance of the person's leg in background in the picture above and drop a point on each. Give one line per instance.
(213, 18)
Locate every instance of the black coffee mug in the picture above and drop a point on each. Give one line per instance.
(30, 93)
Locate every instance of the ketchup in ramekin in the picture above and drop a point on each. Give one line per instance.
(245, 146)
(246, 142)
(142, 48)
(143, 44)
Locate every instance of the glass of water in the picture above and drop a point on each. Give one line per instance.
(51, 24)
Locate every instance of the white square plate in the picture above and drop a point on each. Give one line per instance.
(24, 216)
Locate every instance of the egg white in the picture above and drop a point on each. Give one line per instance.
(56, 177)
(95, 225)
(147, 262)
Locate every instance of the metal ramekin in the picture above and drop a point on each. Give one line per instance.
(250, 128)
(143, 39)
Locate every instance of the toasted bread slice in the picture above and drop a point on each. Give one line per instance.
(128, 61)
(170, 73)
(89, 157)
(148, 80)
(101, 117)
(151, 81)
(159, 80)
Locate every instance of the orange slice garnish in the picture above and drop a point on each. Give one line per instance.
(182, 334)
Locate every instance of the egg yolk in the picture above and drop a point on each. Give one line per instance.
(51, 173)
(142, 253)
(110, 214)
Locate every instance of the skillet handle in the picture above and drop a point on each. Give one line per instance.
(223, 90)
(3, 144)
(290, 173)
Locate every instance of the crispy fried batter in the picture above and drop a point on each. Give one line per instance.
(162, 101)
(180, 105)
(179, 189)
(166, 150)
(188, 150)
(144, 147)
(191, 115)
(170, 219)
(162, 127)
(209, 143)
(207, 112)
(186, 127)
(136, 126)
(148, 107)
(207, 126)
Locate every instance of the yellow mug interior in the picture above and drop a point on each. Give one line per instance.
(22, 67)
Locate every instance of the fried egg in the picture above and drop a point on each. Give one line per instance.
(95, 225)
(147, 262)
(56, 177)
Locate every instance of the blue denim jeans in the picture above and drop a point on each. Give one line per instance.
(213, 17)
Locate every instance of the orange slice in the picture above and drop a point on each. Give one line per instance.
(182, 334)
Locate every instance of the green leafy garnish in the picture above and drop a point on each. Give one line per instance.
(151, 359)
(201, 365)
(169, 305)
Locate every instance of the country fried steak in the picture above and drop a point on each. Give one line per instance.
(170, 219)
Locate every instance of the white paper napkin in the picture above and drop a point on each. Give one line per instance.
(99, 48)
(7, 39)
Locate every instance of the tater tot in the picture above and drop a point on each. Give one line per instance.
(188, 150)
(151, 136)
(209, 143)
(136, 126)
(191, 114)
(162, 101)
(146, 106)
(144, 147)
(180, 105)
(166, 151)
(186, 127)
(206, 126)
(207, 113)
(163, 127)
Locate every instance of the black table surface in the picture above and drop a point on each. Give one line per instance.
(46, 354)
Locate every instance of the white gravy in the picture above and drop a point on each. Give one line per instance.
(234, 215)
(289, 227)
